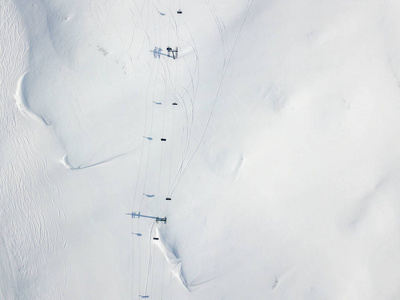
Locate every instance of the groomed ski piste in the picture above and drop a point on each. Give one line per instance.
(272, 127)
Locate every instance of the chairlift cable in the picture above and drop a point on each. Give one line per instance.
(162, 278)
(171, 151)
(136, 186)
(147, 161)
(150, 259)
(140, 260)
(151, 267)
(140, 165)
(160, 177)
(149, 146)
(154, 264)
(132, 263)
(144, 134)
(185, 149)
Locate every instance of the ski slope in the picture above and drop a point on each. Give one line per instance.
(281, 156)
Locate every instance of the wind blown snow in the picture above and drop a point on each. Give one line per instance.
(267, 134)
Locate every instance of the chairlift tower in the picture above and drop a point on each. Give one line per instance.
(138, 215)
(173, 52)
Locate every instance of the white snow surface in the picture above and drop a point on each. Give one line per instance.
(282, 157)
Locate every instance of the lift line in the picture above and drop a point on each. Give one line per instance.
(138, 215)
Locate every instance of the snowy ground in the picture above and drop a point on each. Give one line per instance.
(281, 158)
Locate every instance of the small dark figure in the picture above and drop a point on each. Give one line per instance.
(179, 12)
(163, 140)
(155, 238)
(167, 198)
(174, 103)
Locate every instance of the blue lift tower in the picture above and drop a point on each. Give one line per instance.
(138, 215)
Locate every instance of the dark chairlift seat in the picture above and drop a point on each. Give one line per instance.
(167, 198)
(174, 103)
(179, 12)
(155, 238)
(163, 140)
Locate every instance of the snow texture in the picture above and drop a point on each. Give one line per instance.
(281, 154)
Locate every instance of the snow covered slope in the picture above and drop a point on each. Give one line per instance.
(281, 156)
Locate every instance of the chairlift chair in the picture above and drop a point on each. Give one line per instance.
(162, 220)
(179, 12)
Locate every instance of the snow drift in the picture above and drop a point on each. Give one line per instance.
(281, 156)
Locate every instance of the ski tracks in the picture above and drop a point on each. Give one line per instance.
(227, 61)
(185, 95)
(31, 230)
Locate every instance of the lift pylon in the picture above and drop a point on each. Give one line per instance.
(138, 215)
(174, 52)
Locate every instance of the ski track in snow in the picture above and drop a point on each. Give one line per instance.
(228, 57)
(187, 107)
(186, 100)
(213, 236)
(186, 95)
(30, 234)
